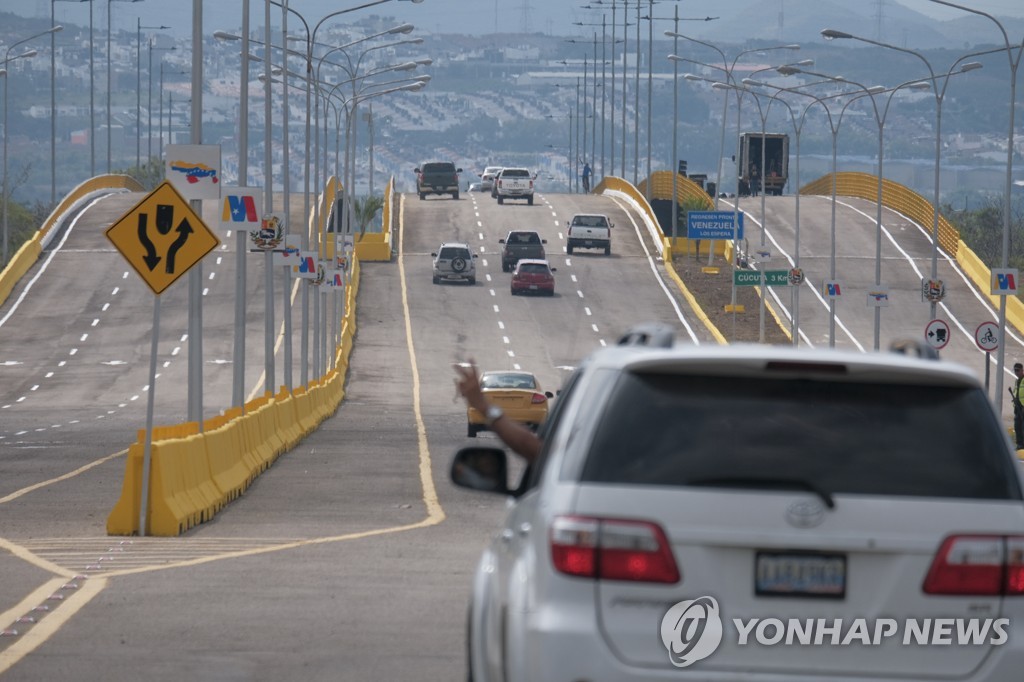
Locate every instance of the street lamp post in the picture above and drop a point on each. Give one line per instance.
(830, 34)
(109, 32)
(1014, 63)
(149, 94)
(92, 105)
(310, 82)
(3, 73)
(53, 95)
(138, 89)
(728, 68)
(7, 59)
(160, 115)
(675, 91)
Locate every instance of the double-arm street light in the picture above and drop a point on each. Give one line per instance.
(831, 34)
(7, 59)
(53, 101)
(727, 68)
(880, 117)
(1014, 63)
(160, 115)
(675, 85)
(110, 31)
(149, 93)
(138, 88)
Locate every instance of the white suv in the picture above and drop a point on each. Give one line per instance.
(759, 513)
(453, 262)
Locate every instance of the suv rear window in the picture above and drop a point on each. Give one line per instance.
(839, 437)
(450, 252)
(515, 173)
(438, 167)
(523, 238)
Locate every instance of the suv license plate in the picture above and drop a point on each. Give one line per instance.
(821, 576)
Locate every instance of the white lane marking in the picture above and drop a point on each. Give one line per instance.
(594, 327)
(654, 269)
(84, 337)
(586, 309)
(95, 322)
(506, 340)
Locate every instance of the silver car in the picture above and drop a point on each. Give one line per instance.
(756, 513)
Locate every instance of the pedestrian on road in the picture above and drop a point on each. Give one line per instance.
(586, 177)
(1018, 405)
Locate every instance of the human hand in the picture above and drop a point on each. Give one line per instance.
(467, 384)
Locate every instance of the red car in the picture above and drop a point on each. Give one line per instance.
(533, 276)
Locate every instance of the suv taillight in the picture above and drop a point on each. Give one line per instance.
(981, 565)
(612, 549)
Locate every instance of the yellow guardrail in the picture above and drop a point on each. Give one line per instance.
(911, 204)
(194, 473)
(894, 195)
(27, 255)
(613, 184)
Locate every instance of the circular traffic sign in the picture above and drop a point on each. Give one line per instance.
(936, 334)
(987, 336)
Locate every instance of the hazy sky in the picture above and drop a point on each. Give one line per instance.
(443, 16)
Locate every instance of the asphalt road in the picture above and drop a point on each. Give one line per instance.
(350, 558)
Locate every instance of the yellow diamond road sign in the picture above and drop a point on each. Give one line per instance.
(162, 237)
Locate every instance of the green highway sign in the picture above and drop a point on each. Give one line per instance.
(773, 278)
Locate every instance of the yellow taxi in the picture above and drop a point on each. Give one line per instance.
(517, 393)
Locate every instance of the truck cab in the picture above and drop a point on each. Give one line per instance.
(589, 231)
(763, 157)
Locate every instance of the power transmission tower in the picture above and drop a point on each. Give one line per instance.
(526, 16)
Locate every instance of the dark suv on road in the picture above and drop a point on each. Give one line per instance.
(437, 177)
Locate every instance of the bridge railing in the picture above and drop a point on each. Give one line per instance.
(27, 255)
(911, 204)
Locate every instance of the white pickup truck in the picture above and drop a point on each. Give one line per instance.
(514, 183)
(589, 231)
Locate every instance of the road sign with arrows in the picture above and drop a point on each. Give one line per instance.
(162, 237)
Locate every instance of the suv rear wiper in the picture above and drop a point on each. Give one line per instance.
(766, 483)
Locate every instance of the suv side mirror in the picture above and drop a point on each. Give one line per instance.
(415, 170)
(458, 170)
(481, 468)
(543, 241)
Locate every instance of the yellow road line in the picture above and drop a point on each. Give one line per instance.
(51, 623)
(42, 484)
(48, 626)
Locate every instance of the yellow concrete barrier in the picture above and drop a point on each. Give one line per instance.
(195, 472)
(227, 468)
